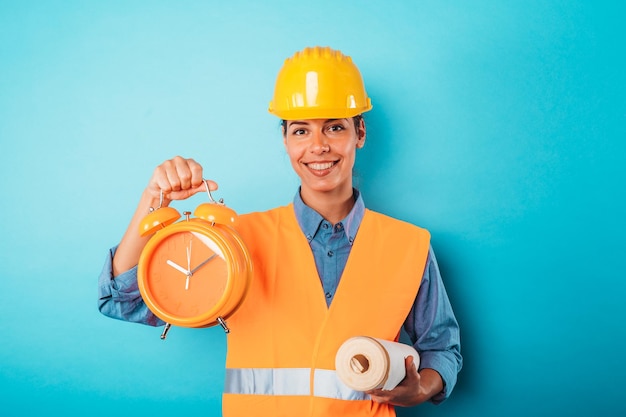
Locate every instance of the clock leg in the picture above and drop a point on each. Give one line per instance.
(222, 323)
(165, 330)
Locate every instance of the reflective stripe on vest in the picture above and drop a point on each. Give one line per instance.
(288, 381)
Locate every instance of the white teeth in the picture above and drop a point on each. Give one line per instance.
(320, 166)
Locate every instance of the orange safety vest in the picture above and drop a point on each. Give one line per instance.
(284, 338)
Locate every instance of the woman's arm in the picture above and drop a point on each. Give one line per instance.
(178, 178)
(118, 292)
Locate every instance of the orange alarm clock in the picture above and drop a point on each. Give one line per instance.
(195, 272)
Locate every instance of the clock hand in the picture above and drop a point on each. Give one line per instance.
(189, 257)
(203, 263)
(178, 267)
(188, 265)
(188, 273)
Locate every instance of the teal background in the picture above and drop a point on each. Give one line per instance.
(498, 125)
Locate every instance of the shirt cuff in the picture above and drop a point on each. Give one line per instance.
(119, 296)
(123, 287)
(445, 363)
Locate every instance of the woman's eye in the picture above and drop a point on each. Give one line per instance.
(335, 128)
(298, 132)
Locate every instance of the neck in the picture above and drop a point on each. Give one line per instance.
(332, 205)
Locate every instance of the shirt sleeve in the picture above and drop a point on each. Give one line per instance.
(434, 330)
(119, 297)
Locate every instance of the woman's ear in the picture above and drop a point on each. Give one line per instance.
(360, 134)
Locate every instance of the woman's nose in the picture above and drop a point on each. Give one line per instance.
(319, 143)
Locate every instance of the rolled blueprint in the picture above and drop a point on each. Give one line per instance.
(364, 363)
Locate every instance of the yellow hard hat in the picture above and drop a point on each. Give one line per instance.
(319, 83)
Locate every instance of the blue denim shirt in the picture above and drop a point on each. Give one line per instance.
(431, 324)
(330, 243)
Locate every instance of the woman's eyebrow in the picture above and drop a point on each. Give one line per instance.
(306, 123)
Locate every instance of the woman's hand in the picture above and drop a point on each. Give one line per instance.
(414, 389)
(179, 178)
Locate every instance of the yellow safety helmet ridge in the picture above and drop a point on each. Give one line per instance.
(319, 83)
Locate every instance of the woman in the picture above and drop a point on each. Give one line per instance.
(376, 273)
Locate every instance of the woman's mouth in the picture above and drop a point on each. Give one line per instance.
(320, 168)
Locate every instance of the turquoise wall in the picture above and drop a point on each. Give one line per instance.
(498, 125)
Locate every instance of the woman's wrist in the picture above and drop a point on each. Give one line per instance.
(431, 384)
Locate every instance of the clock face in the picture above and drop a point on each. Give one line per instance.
(186, 274)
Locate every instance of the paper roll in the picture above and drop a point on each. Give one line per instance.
(364, 363)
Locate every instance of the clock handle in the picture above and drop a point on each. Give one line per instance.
(208, 191)
(160, 202)
(165, 330)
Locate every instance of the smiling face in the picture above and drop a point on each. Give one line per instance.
(322, 152)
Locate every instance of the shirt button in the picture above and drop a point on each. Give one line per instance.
(339, 227)
(328, 295)
(330, 253)
(325, 225)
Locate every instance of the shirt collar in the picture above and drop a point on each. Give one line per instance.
(310, 220)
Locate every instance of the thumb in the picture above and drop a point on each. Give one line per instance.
(409, 363)
(210, 183)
